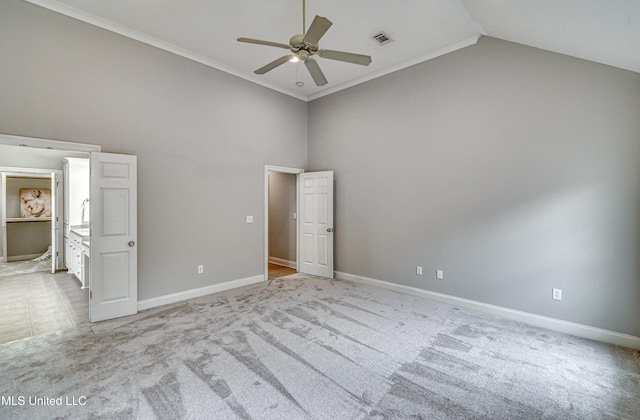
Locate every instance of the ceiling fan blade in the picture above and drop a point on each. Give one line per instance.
(261, 42)
(316, 73)
(272, 65)
(318, 28)
(363, 60)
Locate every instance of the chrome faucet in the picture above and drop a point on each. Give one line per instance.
(85, 204)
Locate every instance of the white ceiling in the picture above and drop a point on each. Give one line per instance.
(604, 31)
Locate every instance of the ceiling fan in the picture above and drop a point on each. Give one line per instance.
(305, 45)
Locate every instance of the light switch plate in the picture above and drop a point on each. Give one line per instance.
(249, 219)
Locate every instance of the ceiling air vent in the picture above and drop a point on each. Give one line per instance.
(382, 38)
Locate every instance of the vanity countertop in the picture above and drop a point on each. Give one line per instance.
(84, 232)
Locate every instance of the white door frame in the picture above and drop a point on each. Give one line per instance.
(10, 140)
(285, 170)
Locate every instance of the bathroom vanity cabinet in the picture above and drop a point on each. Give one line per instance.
(77, 246)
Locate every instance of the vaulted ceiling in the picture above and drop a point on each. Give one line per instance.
(604, 31)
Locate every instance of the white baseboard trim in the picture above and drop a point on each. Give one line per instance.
(580, 330)
(194, 293)
(283, 262)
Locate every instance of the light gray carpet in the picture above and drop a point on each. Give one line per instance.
(303, 347)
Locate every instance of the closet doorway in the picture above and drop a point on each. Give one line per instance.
(281, 225)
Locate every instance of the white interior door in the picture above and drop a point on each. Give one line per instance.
(114, 257)
(316, 223)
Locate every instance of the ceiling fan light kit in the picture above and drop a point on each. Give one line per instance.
(304, 46)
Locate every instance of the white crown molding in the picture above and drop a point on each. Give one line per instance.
(125, 31)
(391, 69)
(108, 25)
(580, 330)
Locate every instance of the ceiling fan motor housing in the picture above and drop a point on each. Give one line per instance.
(298, 45)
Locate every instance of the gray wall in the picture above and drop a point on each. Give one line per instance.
(282, 225)
(512, 169)
(202, 138)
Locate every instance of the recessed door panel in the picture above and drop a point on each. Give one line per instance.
(115, 274)
(308, 209)
(323, 209)
(307, 246)
(323, 251)
(115, 207)
(112, 170)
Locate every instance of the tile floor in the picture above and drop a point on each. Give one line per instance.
(39, 303)
(276, 271)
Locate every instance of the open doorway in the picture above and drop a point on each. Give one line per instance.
(107, 262)
(282, 224)
(312, 218)
(38, 294)
(281, 233)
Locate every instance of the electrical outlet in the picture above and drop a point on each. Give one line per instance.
(200, 269)
(249, 219)
(557, 294)
(419, 270)
(439, 274)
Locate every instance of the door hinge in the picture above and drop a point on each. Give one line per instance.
(90, 294)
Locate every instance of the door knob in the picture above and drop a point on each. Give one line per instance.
(131, 243)
(329, 229)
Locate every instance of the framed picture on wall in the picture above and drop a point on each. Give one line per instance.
(35, 202)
